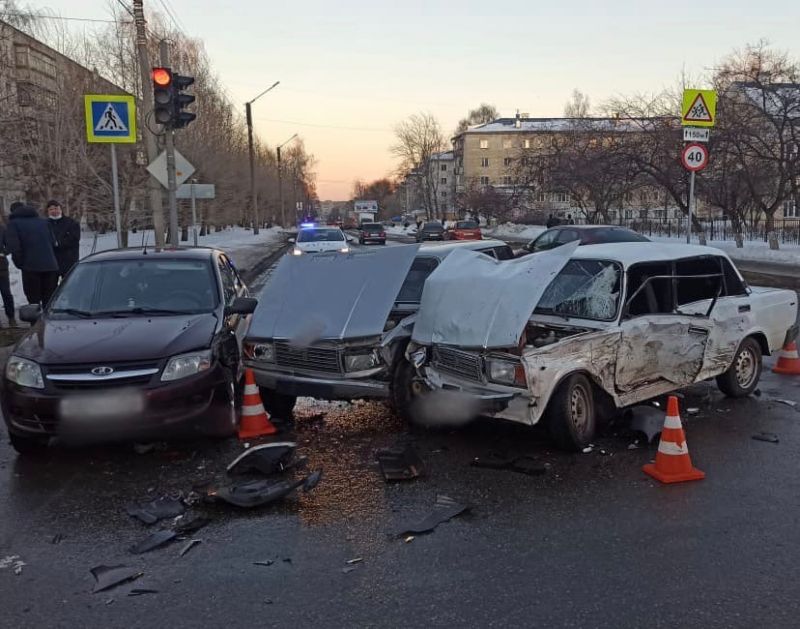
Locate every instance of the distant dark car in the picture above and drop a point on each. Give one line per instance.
(135, 344)
(430, 231)
(587, 234)
(464, 230)
(371, 232)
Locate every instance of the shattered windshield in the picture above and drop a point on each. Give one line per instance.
(585, 289)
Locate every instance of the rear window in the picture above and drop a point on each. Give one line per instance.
(466, 225)
(610, 234)
(411, 290)
(320, 235)
(375, 227)
(432, 227)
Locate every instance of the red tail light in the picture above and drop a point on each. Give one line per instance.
(383, 234)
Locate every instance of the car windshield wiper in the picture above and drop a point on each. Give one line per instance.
(72, 311)
(142, 311)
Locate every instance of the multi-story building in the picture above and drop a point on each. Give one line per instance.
(442, 176)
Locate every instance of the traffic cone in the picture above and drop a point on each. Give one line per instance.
(673, 464)
(788, 361)
(255, 421)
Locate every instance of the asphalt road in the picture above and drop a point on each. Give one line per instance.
(592, 542)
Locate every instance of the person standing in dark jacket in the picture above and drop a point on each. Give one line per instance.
(5, 282)
(66, 238)
(30, 242)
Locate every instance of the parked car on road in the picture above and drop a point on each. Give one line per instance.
(371, 232)
(602, 327)
(334, 327)
(135, 344)
(430, 231)
(463, 230)
(586, 234)
(319, 239)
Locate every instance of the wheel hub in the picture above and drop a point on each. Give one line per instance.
(745, 368)
(579, 408)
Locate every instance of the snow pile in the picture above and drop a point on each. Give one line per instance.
(229, 240)
(756, 251)
(514, 231)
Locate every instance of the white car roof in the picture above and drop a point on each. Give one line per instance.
(630, 253)
(442, 249)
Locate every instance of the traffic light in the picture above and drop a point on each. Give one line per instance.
(182, 118)
(163, 96)
(169, 101)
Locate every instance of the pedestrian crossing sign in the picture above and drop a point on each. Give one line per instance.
(699, 108)
(110, 118)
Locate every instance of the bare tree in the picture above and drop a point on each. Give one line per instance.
(419, 138)
(578, 106)
(480, 115)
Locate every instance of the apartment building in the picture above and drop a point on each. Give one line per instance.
(442, 166)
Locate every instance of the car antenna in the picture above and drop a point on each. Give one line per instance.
(144, 242)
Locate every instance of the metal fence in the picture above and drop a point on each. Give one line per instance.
(786, 230)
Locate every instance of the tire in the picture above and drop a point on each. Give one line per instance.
(29, 446)
(742, 377)
(571, 414)
(405, 389)
(277, 404)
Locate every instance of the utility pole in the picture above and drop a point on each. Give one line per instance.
(147, 106)
(249, 117)
(280, 180)
(174, 235)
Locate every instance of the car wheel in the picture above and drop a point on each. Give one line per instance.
(29, 446)
(277, 404)
(406, 389)
(225, 412)
(743, 375)
(571, 415)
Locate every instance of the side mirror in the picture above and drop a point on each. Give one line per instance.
(241, 306)
(291, 241)
(30, 313)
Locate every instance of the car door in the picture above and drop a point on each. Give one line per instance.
(660, 348)
(545, 241)
(234, 326)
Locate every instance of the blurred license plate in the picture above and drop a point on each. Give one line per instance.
(106, 405)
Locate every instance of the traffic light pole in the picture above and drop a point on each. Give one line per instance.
(174, 235)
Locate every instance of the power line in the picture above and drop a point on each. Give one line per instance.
(126, 7)
(176, 16)
(328, 126)
(172, 18)
(65, 19)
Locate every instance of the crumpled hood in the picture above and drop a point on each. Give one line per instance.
(474, 301)
(324, 296)
(73, 341)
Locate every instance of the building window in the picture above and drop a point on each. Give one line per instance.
(24, 94)
(628, 214)
(541, 197)
(561, 197)
(484, 181)
(443, 168)
(485, 162)
(506, 144)
(443, 194)
(527, 144)
(21, 55)
(507, 180)
(507, 161)
(790, 209)
(42, 63)
(443, 180)
(484, 144)
(642, 213)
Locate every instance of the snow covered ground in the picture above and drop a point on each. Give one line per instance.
(229, 240)
(755, 251)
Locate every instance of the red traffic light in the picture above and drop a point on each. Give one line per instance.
(162, 76)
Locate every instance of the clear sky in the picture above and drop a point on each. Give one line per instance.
(351, 69)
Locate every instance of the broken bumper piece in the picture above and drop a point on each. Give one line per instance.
(322, 387)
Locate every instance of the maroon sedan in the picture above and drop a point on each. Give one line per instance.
(135, 344)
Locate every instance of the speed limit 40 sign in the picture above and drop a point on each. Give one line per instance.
(695, 157)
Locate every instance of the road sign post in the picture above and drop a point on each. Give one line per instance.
(111, 119)
(694, 159)
(194, 215)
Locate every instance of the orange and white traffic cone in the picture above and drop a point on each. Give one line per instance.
(673, 464)
(788, 361)
(255, 421)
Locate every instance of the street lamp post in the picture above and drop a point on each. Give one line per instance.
(249, 116)
(280, 180)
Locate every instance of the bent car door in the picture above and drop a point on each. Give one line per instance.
(660, 349)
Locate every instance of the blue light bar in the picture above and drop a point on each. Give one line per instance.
(307, 225)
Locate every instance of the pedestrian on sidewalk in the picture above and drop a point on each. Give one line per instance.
(30, 243)
(66, 238)
(5, 281)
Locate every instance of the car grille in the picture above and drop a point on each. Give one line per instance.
(460, 363)
(80, 377)
(327, 359)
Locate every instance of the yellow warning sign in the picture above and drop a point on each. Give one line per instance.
(699, 108)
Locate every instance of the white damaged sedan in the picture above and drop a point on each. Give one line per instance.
(572, 334)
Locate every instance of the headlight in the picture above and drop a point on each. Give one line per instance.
(186, 365)
(506, 372)
(297, 252)
(418, 357)
(25, 373)
(344, 250)
(361, 362)
(259, 351)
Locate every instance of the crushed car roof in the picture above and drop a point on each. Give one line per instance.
(629, 253)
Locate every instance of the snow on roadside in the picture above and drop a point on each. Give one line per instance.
(229, 240)
(754, 251)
